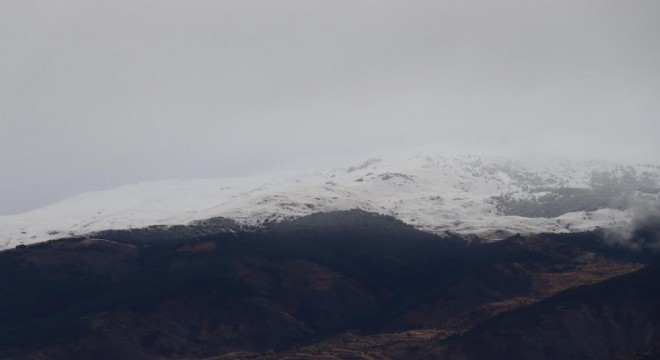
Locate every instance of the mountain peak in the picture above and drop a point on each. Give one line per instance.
(491, 197)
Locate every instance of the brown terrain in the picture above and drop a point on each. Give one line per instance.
(349, 285)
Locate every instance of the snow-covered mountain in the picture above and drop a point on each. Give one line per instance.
(464, 194)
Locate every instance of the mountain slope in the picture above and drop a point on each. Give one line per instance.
(615, 319)
(466, 195)
(297, 282)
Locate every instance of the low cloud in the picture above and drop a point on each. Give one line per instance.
(643, 231)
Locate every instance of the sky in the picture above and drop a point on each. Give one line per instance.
(96, 94)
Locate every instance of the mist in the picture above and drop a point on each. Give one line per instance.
(643, 231)
(99, 94)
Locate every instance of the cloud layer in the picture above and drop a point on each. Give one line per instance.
(97, 94)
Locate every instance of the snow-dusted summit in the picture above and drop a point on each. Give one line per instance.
(464, 194)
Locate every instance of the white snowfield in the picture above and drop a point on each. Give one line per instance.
(431, 192)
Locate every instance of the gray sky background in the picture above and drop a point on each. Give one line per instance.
(95, 94)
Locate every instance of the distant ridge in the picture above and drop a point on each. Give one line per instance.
(490, 197)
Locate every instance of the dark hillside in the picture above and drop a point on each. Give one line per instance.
(615, 319)
(202, 291)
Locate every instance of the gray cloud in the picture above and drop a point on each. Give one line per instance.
(643, 232)
(95, 94)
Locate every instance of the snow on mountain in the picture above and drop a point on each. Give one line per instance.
(464, 194)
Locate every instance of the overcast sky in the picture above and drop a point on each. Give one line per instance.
(96, 94)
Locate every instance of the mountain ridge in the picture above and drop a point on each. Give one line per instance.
(489, 197)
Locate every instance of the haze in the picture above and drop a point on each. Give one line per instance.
(95, 94)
